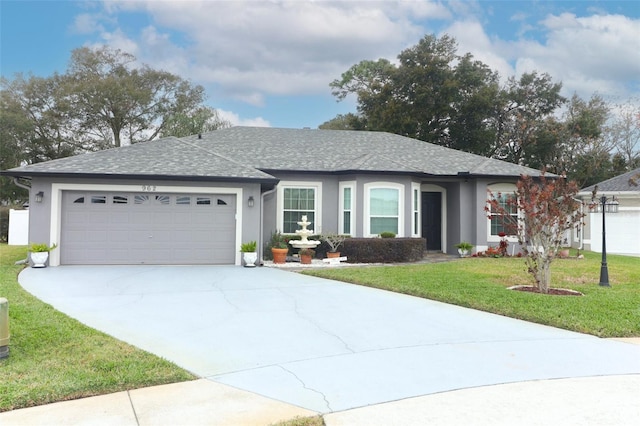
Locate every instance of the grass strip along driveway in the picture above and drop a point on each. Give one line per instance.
(480, 283)
(54, 358)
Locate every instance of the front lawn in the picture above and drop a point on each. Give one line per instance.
(481, 283)
(53, 357)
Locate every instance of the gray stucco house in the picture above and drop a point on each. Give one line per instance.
(194, 200)
(622, 228)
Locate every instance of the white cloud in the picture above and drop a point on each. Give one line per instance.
(600, 53)
(235, 119)
(86, 23)
(276, 48)
(251, 50)
(471, 37)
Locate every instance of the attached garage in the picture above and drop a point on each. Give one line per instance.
(147, 228)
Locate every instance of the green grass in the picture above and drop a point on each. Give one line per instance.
(54, 358)
(480, 283)
(302, 421)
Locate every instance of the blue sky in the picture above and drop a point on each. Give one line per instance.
(269, 63)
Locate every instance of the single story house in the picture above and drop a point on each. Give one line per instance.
(194, 200)
(622, 227)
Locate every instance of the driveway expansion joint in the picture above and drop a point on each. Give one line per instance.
(133, 408)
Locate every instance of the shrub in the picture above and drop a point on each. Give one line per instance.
(383, 250)
(334, 241)
(4, 224)
(387, 234)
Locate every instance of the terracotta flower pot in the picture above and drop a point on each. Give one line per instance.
(305, 259)
(279, 255)
(332, 254)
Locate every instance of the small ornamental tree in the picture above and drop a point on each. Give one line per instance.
(547, 209)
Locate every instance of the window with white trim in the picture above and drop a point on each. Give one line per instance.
(416, 207)
(297, 199)
(384, 210)
(505, 194)
(347, 198)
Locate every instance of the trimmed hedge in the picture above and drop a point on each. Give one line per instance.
(369, 250)
(383, 250)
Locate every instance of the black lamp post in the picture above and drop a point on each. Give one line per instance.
(610, 206)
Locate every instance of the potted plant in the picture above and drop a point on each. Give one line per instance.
(464, 248)
(334, 241)
(249, 253)
(279, 247)
(39, 254)
(306, 254)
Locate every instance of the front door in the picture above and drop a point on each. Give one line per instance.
(432, 220)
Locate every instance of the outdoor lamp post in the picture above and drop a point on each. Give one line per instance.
(608, 206)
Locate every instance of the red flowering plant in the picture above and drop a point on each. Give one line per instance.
(547, 209)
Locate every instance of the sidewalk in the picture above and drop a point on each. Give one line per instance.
(199, 402)
(597, 401)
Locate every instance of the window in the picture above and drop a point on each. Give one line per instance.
(141, 199)
(416, 218)
(297, 199)
(383, 208)
(98, 199)
(346, 220)
(183, 200)
(203, 201)
(163, 200)
(79, 200)
(298, 202)
(120, 199)
(505, 194)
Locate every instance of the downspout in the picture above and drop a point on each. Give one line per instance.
(21, 185)
(261, 227)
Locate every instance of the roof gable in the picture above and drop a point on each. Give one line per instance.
(620, 183)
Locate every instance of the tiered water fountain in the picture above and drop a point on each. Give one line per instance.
(304, 233)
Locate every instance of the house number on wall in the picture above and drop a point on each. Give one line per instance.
(149, 188)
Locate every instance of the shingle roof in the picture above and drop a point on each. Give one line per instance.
(621, 183)
(253, 152)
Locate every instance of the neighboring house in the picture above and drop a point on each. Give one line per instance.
(622, 228)
(194, 200)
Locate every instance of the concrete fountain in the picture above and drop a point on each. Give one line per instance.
(304, 233)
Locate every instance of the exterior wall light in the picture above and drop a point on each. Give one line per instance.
(39, 197)
(250, 201)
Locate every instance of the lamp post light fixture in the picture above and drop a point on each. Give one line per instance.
(39, 197)
(608, 206)
(250, 201)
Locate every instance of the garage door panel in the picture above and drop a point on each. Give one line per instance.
(130, 228)
(119, 217)
(118, 236)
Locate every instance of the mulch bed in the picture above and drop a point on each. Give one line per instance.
(553, 291)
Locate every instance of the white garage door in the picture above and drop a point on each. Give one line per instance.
(147, 228)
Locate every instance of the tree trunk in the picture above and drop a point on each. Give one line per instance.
(544, 276)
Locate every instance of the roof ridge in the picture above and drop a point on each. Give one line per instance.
(208, 151)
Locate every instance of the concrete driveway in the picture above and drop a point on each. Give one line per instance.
(318, 344)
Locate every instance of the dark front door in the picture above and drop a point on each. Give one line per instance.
(432, 220)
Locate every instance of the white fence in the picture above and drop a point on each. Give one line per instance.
(18, 227)
(623, 232)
